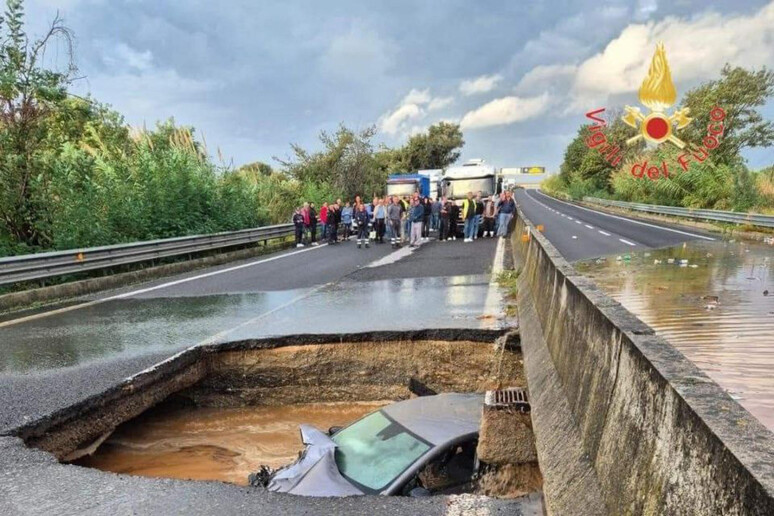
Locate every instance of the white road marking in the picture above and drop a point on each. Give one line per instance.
(150, 289)
(577, 222)
(627, 242)
(574, 237)
(590, 227)
(603, 232)
(625, 218)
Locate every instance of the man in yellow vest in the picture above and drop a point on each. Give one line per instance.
(469, 216)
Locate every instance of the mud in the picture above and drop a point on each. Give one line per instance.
(225, 444)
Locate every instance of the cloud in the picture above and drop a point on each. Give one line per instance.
(122, 57)
(481, 84)
(414, 107)
(697, 49)
(396, 121)
(504, 111)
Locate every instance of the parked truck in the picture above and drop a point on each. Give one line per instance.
(474, 176)
(434, 174)
(407, 184)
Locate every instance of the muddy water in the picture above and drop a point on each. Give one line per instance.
(714, 309)
(215, 443)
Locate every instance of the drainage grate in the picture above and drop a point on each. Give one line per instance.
(510, 398)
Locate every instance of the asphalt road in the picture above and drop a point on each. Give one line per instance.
(580, 233)
(52, 358)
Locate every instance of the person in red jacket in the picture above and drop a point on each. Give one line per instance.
(324, 220)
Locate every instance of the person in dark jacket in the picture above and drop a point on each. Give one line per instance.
(416, 215)
(479, 219)
(506, 210)
(333, 223)
(298, 222)
(362, 219)
(427, 207)
(443, 230)
(312, 224)
(454, 216)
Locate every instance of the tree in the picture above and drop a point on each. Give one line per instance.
(29, 93)
(589, 165)
(346, 163)
(740, 93)
(439, 147)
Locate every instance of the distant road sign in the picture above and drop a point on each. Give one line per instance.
(533, 170)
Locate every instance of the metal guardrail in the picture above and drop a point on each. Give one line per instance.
(752, 219)
(27, 267)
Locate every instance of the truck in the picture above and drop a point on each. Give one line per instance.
(434, 174)
(474, 176)
(522, 177)
(404, 185)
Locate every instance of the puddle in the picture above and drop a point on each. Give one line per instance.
(225, 444)
(713, 307)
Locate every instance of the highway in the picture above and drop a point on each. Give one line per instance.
(580, 233)
(52, 357)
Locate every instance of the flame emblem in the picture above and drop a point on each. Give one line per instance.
(658, 94)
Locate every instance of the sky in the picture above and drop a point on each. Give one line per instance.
(254, 77)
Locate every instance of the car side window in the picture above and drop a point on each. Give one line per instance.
(451, 472)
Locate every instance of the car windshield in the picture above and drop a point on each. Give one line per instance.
(373, 451)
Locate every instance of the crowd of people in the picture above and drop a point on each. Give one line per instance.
(404, 220)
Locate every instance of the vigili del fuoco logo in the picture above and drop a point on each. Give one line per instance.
(658, 126)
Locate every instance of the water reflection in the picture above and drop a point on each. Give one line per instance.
(125, 327)
(714, 301)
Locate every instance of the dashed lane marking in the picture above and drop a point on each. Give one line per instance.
(604, 232)
(627, 242)
(625, 218)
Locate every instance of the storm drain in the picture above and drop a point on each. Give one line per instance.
(513, 398)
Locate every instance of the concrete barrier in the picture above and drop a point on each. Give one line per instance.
(660, 436)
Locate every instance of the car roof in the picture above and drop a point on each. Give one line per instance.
(440, 418)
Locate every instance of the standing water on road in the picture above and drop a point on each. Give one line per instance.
(225, 444)
(714, 301)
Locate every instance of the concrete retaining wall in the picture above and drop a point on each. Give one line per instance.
(661, 437)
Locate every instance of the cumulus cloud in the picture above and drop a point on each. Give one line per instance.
(504, 111)
(414, 107)
(481, 84)
(696, 48)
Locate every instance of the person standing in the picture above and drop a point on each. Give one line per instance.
(427, 206)
(489, 217)
(417, 214)
(362, 219)
(380, 220)
(333, 227)
(312, 224)
(298, 222)
(393, 219)
(346, 219)
(406, 203)
(443, 229)
(324, 220)
(435, 214)
(507, 209)
(454, 217)
(479, 214)
(469, 216)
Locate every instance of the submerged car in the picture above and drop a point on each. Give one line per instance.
(417, 447)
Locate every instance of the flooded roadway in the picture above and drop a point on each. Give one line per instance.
(716, 307)
(225, 444)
